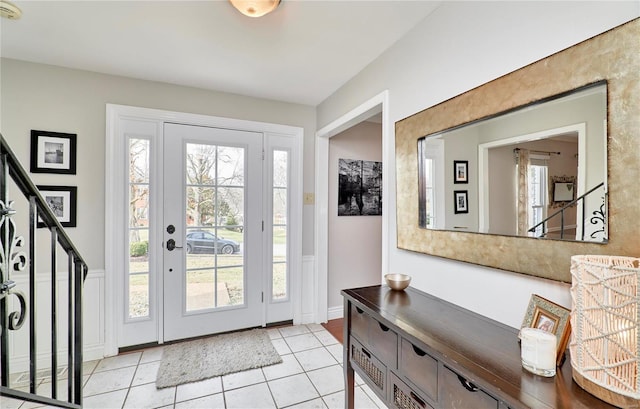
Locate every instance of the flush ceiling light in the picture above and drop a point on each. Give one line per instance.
(255, 8)
(9, 10)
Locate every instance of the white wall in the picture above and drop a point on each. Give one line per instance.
(461, 144)
(355, 242)
(460, 46)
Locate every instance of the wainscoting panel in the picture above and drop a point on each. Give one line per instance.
(93, 321)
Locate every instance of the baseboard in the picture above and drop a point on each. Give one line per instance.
(335, 313)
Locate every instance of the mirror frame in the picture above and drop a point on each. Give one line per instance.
(613, 56)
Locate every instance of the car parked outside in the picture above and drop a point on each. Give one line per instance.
(205, 242)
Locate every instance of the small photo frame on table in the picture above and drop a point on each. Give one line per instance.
(62, 200)
(551, 317)
(53, 152)
(461, 201)
(460, 171)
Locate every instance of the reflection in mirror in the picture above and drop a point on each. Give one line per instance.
(537, 171)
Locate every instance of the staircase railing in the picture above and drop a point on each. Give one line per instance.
(15, 258)
(598, 216)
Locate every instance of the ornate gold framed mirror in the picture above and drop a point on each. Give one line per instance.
(612, 58)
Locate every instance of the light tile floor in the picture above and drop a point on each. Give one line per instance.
(310, 376)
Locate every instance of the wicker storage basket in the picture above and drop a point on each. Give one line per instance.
(605, 350)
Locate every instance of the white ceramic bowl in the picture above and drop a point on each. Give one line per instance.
(397, 281)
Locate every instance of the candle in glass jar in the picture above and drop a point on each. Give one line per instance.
(538, 351)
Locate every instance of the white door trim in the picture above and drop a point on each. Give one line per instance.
(113, 157)
(379, 103)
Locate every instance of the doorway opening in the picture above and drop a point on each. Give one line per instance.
(379, 104)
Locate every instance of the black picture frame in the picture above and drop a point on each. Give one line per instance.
(359, 187)
(460, 171)
(53, 152)
(460, 201)
(63, 200)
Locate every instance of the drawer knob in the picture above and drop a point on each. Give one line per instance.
(418, 400)
(418, 351)
(359, 310)
(364, 351)
(467, 385)
(383, 328)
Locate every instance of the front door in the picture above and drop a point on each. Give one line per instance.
(204, 231)
(212, 232)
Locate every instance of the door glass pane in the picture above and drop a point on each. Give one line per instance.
(138, 221)
(279, 268)
(280, 192)
(215, 227)
(230, 202)
(200, 289)
(201, 206)
(231, 166)
(201, 160)
(138, 295)
(232, 280)
(537, 189)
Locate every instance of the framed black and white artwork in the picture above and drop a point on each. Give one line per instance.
(460, 171)
(62, 200)
(359, 188)
(53, 152)
(461, 201)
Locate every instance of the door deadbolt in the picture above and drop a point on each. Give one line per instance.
(171, 229)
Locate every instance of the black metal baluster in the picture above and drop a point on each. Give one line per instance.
(584, 216)
(33, 216)
(79, 274)
(54, 315)
(70, 309)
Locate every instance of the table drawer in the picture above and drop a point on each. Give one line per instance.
(458, 393)
(368, 364)
(420, 368)
(360, 324)
(403, 397)
(384, 343)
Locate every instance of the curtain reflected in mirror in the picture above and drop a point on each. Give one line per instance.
(537, 171)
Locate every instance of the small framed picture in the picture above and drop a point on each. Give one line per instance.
(461, 200)
(460, 171)
(551, 317)
(62, 200)
(53, 152)
(563, 192)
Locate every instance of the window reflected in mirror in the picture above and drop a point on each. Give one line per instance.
(537, 171)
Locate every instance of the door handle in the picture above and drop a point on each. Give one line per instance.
(171, 244)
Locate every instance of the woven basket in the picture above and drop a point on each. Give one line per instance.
(605, 349)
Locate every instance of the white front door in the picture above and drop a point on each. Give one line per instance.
(226, 196)
(213, 238)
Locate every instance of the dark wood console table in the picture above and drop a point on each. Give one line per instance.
(418, 351)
